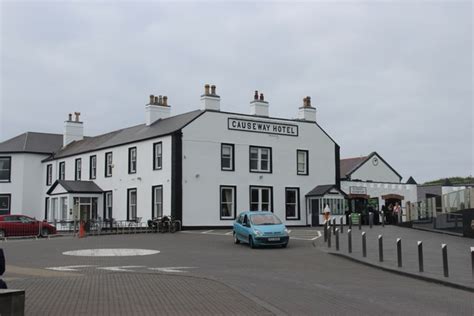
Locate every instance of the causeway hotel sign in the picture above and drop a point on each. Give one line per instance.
(262, 127)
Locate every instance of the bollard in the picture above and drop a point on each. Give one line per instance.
(337, 239)
(329, 238)
(444, 248)
(371, 219)
(349, 244)
(399, 252)
(325, 231)
(350, 221)
(334, 226)
(383, 219)
(360, 222)
(380, 248)
(342, 225)
(364, 245)
(472, 261)
(420, 256)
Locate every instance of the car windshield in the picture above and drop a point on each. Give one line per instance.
(264, 219)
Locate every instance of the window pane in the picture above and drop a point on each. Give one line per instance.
(265, 206)
(4, 163)
(254, 196)
(226, 150)
(265, 195)
(264, 164)
(253, 165)
(290, 210)
(254, 153)
(290, 196)
(254, 206)
(265, 152)
(226, 163)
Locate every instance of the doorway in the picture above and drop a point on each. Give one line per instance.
(314, 206)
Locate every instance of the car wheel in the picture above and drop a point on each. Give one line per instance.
(2, 234)
(236, 240)
(251, 243)
(44, 232)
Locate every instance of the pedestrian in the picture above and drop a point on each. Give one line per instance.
(396, 213)
(327, 213)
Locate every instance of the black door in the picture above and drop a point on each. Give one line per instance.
(314, 212)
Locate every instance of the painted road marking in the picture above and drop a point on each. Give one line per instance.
(111, 252)
(172, 269)
(69, 268)
(120, 268)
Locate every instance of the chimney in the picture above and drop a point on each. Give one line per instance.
(259, 106)
(73, 129)
(210, 100)
(157, 109)
(307, 112)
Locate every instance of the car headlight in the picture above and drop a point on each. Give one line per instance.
(257, 232)
(286, 231)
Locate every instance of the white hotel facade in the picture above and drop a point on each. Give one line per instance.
(203, 167)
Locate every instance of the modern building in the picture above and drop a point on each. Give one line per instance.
(202, 167)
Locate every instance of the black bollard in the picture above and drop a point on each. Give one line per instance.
(383, 219)
(334, 226)
(360, 222)
(342, 225)
(364, 245)
(472, 261)
(444, 248)
(399, 252)
(329, 238)
(325, 231)
(380, 248)
(420, 256)
(350, 221)
(337, 239)
(371, 219)
(349, 243)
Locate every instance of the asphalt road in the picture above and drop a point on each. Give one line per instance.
(205, 273)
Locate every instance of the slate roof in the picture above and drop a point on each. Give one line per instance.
(350, 164)
(128, 135)
(76, 186)
(33, 142)
(321, 190)
(411, 181)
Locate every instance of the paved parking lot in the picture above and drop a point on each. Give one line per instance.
(203, 272)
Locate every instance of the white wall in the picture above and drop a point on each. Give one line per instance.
(26, 183)
(120, 181)
(377, 173)
(378, 189)
(202, 153)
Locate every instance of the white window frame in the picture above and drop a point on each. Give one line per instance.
(260, 203)
(296, 205)
(132, 208)
(62, 171)
(229, 157)
(93, 167)
(54, 210)
(78, 169)
(157, 203)
(9, 159)
(259, 160)
(109, 203)
(49, 174)
(108, 164)
(304, 170)
(64, 208)
(132, 160)
(232, 203)
(157, 156)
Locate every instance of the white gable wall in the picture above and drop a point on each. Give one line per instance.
(376, 173)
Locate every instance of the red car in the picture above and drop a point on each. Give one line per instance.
(21, 225)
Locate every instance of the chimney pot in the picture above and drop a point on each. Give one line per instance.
(165, 100)
(255, 96)
(160, 100)
(308, 101)
(213, 90)
(206, 89)
(155, 101)
(77, 114)
(70, 117)
(152, 98)
(262, 98)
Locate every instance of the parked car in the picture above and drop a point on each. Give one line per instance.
(260, 229)
(21, 225)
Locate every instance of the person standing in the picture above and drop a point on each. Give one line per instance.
(396, 213)
(327, 213)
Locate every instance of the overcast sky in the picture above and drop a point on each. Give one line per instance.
(395, 78)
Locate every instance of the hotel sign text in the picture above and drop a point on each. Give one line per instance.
(262, 127)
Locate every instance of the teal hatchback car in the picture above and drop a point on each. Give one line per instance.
(260, 229)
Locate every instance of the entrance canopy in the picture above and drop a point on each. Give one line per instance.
(66, 186)
(322, 190)
(393, 197)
